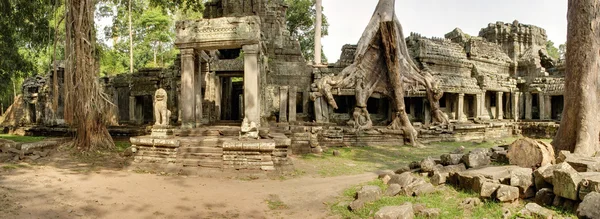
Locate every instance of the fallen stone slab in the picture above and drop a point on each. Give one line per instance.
(404, 211)
(530, 153)
(393, 190)
(451, 159)
(450, 168)
(472, 178)
(429, 213)
(439, 178)
(402, 169)
(581, 163)
(523, 179)
(589, 183)
(29, 148)
(365, 195)
(566, 181)
(542, 176)
(488, 190)
(428, 164)
(590, 206)
(476, 158)
(402, 179)
(544, 197)
(507, 193)
(536, 211)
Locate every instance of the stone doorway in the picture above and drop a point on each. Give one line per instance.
(557, 103)
(232, 97)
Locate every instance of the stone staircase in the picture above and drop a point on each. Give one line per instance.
(201, 151)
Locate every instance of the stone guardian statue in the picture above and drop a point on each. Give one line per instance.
(161, 113)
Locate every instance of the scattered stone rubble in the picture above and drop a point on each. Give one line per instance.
(571, 182)
(32, 151)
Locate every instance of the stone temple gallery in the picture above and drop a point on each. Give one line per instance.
(242, 96)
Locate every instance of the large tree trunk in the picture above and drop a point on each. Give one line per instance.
(580, 126)
(382, 63)
(86, 106)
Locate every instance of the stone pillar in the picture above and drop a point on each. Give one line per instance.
(528, 103)
(461, 107)
(515, 106)
(479, 105)
(115, 107)
(132, 109)
(499, 107)
(318, 22)
(318, 110)
(188, 95)
(542, 104)
(251, 84)
(427, 112)
(283, 103)
(218, 92)
(548, 100)
(292, 97)
(198, 95)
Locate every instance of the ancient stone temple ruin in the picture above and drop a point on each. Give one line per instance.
(240, 63)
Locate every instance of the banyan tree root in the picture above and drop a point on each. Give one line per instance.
(382, 54)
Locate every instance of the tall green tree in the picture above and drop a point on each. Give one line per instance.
(25, 35)
(552, 50)
(301, 24)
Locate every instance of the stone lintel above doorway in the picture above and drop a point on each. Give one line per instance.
(218, 33)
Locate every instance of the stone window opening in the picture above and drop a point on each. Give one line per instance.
(345, 104)
(443, 101)
(299, 102)
(493, 101)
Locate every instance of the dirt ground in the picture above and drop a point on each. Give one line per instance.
(51, 191)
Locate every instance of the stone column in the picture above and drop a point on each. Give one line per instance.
(479, 105)
(251, 84)
(292, 97)
(528, 103)
(515, 106)
(115, 107)
(318, 33)
(548, 100)
(499, 107)
(542, 104)
(318, 110)
(283, 103)
(198, 94)
(132, 109)
(461, 107)
(188, 95)
(218, 92)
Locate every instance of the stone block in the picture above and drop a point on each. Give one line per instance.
(542, 176)
(474, 160)
(536, 211)
(590, 206)
(488, 189)
(523, 178)
(402, 169)
(544, 197)
(566, 181)
(402, 179)
(404, 211)
(451, 159)
(589, 183)
(428, 164)
(507, 193)
(393, 190)
(439, 178)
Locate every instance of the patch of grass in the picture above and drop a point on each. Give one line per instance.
(357, 160)
(22, 139)
(120, 146)
(275, 203)
(447, 199)
(13, 166)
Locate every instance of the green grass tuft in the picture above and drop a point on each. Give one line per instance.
(23, 139)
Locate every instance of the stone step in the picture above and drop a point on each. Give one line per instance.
(213, 150)
(203, 163)
(202, 155)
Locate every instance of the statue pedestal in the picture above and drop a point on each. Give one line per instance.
(161, 131)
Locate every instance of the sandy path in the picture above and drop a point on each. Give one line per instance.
(49, 192)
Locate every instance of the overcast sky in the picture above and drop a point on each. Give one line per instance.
(348, 18)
